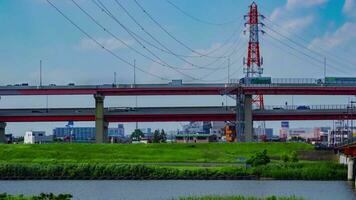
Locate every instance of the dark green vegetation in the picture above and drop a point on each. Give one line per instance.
(240, 198)
(42, 196)
(164, 161)
(300, 171)
(141, 153)
(260, 158)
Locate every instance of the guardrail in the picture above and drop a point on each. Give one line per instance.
(347, 141)
(309, 107)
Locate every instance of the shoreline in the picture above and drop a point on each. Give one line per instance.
(296, 171)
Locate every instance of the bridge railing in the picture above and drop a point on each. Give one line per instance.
(309, 107)
(294, 81)
(347, 141)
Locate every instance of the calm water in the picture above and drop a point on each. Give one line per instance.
(88, 190)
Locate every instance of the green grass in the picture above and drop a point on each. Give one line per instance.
(142, 153)
(159, 161)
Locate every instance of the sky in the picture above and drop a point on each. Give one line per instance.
(299, 34)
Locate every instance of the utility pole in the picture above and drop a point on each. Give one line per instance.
(40, 73)
(135, 86)
(228, 78)
(324, 68)
(115, 78)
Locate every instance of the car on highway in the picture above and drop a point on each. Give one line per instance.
(303, 107)
(71, 84)
(278, 108)
(52, 85)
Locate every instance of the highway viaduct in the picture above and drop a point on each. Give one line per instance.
(243, 114)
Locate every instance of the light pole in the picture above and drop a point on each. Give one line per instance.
(352, 124)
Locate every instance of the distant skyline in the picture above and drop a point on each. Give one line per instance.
(31, 30)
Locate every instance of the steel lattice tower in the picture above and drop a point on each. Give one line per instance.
(254, 60)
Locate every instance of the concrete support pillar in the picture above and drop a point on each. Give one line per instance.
(100, 124)
(350, 169)
(248, 132)
(240, 121)
(2, 132)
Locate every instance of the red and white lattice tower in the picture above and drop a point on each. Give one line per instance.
(254, 60)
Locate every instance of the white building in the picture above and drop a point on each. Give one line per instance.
(37, 137)
(217, 128)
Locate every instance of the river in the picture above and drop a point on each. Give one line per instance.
(113, 190)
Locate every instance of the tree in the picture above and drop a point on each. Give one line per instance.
(137, 135)
(163, 136)
(156, 137)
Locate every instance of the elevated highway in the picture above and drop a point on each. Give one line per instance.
(184, 89)
(241, 92)
(168, 114)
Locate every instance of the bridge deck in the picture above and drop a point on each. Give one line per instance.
(161, 114)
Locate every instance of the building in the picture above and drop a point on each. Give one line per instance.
(283, 132)
(218, 129)
(263, 134)
(195, 138)
(86, 134)
(37, 137)
(197, 128)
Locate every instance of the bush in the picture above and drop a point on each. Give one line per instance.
(260, 158)
(42, 196)
(292, 157)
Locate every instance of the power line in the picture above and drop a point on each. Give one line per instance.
(320, 62)
(305, 47)
(135, 37)
(167, 32)
(344, 59)
(105, 29)
(198, 19)
(101, 45)
(152, 37)
(180, 57)
(165, 64)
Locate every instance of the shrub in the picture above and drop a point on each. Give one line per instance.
(292, 157)
(260, 158)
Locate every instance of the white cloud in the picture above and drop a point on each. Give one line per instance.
(343, 35)
(349, 8)
(109, 43)
(288, 15)
(291, 4)
(298, 23)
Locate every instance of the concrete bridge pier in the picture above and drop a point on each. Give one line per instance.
(350, 168)
(2, 132)
(101, 126)
(248, 132)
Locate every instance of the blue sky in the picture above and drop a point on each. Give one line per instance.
(31, 30)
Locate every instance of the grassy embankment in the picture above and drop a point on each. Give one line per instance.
(160, 161)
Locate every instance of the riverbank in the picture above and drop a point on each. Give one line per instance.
(144, 153)
(213, 161)
(291, 171)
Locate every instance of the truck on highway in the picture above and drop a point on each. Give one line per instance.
(256, 80)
